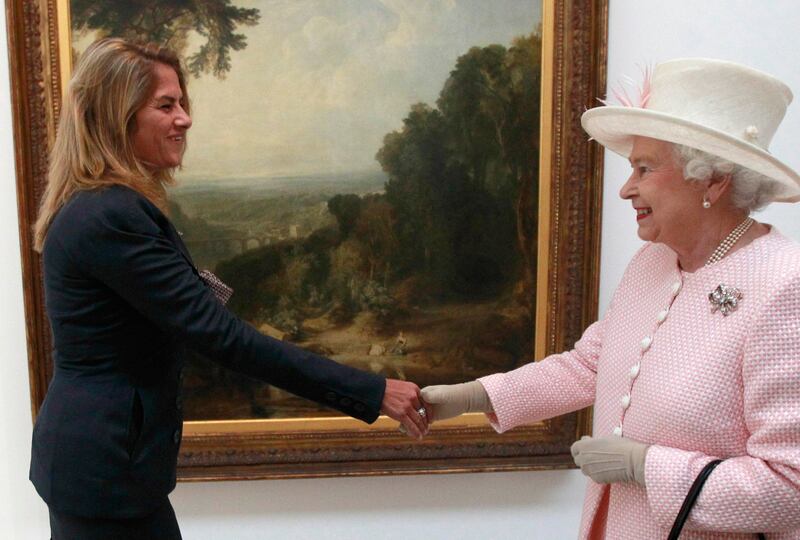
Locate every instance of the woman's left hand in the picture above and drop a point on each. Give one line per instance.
(611, 459)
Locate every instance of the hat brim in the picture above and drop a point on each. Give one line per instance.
(615, 127)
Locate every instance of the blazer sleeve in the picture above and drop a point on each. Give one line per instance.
(759, 491)
(123, 245)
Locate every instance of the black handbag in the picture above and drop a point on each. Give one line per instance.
(691, 497)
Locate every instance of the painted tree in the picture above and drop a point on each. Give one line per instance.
(490, 103)
(346, 209)
(375, 230)
(171, 23)
(445, 220)
(416, 160)
(521, 149)
(462, 176)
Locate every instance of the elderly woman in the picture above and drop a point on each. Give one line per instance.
(125, 300)
(698, 354)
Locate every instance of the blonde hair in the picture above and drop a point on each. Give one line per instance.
(93, 146)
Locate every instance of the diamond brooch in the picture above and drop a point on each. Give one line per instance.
(725, 299)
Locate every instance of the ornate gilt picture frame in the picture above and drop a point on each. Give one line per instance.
(573, 43)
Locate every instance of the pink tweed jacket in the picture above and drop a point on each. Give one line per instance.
(663, 368)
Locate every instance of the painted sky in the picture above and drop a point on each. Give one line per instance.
(321, 82)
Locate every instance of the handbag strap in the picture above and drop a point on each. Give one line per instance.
(691, 498)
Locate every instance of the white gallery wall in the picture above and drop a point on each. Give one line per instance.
(529, 505)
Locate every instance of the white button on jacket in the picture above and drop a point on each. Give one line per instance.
(635, 370)
(676, 287)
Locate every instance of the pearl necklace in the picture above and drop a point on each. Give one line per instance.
(729, 241)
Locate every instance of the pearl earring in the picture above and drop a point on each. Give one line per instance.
(706, 203)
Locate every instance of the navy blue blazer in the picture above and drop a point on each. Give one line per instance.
(124, 300)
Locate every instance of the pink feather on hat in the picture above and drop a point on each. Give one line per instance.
(621, 93)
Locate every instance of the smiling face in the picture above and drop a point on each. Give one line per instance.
(159, 136)
(668, 208)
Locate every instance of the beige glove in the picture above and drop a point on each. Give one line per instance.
(450, 400)
(610, 459)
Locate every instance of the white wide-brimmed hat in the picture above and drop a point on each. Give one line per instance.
(723, 108)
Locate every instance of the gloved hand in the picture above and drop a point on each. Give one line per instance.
(611, 459)
(450, 400)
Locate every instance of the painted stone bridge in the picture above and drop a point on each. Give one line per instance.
(237, 244)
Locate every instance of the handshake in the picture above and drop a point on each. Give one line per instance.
(416, 409)
(605, 459)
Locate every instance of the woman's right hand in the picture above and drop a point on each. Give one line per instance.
(450, 400)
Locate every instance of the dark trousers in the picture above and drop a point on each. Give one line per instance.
(159, 525)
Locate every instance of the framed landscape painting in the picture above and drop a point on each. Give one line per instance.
(402, 186)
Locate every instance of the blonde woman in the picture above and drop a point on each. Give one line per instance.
(698, 355)
(125, 300)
